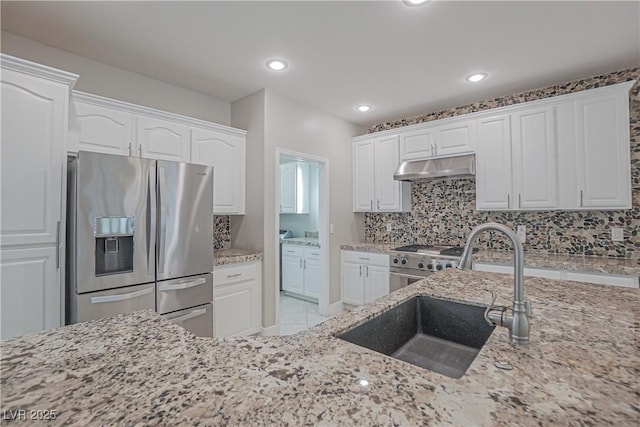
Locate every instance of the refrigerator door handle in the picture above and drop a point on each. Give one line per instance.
(191, 315)
(151, 220)
(162, 219)
(121, 297)
(183, 285)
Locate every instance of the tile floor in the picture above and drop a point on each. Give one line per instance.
(297, 315)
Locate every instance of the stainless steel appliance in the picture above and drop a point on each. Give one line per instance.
(459, 166)
(139, 235)
(415, 262)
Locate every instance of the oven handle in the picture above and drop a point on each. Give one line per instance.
(410, 276)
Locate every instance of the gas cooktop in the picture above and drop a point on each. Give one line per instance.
(432, 250)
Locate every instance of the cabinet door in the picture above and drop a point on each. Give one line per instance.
(34, 122)
(101, 130)
(387, 190)
(417, 145)
(352, 283)
(288, 187)
(236, 309)
(30, 295)
(603, 148)
(376, 282)
(493, 161)
(162, 140)
(226, 153)
(534, 155)
(312, 273)
(292, 272)
(455, 138)
(363, 176)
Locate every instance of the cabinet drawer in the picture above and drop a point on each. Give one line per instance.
(292, 250)
(366, 258)
(312, 253)
(234, 273)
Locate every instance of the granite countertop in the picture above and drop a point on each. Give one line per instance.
(580, 368)
(234, 256)
(576, 263)
(303, 241)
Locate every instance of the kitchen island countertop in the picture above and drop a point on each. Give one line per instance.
(580, 368)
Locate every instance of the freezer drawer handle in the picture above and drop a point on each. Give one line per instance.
(121, 297)
(183, 285)
(191, 315)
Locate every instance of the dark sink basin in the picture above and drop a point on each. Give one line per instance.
(439, 335)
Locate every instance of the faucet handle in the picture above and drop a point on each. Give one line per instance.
(527, 308)
(494, 296)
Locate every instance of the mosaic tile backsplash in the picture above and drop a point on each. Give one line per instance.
(221, 232)
(444, 211)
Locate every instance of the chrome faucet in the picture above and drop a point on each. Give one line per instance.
(518, 321)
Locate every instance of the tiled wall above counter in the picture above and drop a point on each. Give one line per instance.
(445, 211)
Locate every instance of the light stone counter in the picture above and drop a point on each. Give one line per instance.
(303, 241)
(581, 368)
(576, 263)
(234, 256)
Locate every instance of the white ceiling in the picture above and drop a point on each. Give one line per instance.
(402, 60)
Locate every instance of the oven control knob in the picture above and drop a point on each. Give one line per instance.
(449, 265)
(420, 265)
(429, 266)
(404, 261)
(439, 267)
(395, 260)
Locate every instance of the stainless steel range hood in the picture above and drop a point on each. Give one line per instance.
(462, 166)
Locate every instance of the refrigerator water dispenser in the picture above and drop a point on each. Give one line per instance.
(113, 244)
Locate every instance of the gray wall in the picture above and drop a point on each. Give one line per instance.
(112, 82)
(296, 127)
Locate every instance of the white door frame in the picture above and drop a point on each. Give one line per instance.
(323, 225)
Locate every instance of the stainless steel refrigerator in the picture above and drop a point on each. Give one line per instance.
(139, 235)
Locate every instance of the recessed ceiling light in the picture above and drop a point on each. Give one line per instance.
(362, 108)
(415, 2)
(476, 77)
(276, 64)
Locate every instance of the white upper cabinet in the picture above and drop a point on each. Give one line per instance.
(363, 176)
(434, 139)
(493, 163)
(226, 153)
(388, 191)
(162, 140)
(454, 138)
(603, 151)
(571, 152)
(417, 144)
(294, 188)
(110, 126)
(534, 158)
(100, 129)
(374, 189)
(34, 130)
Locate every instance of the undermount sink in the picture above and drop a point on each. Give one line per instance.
(439, 335)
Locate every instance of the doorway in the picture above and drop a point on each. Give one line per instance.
(302, 227)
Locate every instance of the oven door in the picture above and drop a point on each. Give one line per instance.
(401, 277)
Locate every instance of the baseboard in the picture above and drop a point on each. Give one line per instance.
(335, 308)
(271, 330)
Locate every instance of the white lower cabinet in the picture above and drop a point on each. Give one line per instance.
(237, 299)
(576, 276)
(30, 289)
(365, 277)
(301, 270)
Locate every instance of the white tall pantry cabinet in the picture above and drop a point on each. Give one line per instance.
(35, 102)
